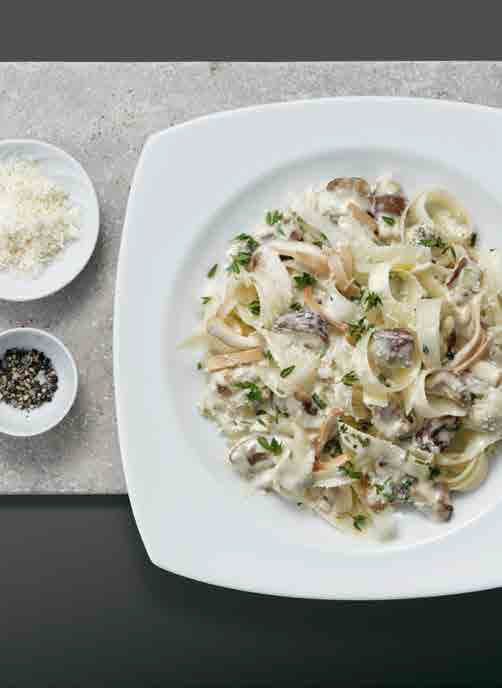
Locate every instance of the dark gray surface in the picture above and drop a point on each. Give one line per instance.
(80, 605)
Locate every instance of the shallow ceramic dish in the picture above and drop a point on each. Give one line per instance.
(195, 187)
(71, 176)
(36, 421)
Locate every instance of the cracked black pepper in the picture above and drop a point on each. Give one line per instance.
(27, 378)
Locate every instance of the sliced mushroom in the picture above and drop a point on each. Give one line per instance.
(234, 359)
(437, 434)
(356, 184)
(389, 204)
(306, 254)
(308, 295)
(303, 321)
(249, 457)
(446, 384)
(393, 348)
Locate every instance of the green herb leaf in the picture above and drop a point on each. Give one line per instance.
(436, 242)
(359, 521)
(304, 280)
(358, 328)
(241, 258)
(434, 471)
(474, 238)
(251, 243)
(388, 220)
(273, 217)
(205, 299)
(350, 378)
(254, 392)
(426, 349)
(296, 306)
(199, 366)
(254, 307)
(318, 401)
(370, 300)
(213, 270)
(274, 447)
(317, 243)
(349, 470)
(287, 371)
(268, 354)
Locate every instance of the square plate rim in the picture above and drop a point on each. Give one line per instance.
(490, 581)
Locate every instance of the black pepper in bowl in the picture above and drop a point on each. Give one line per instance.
(27, 378)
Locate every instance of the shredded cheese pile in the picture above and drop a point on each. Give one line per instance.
(37, 219)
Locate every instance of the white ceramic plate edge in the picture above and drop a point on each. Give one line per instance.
(491, 581)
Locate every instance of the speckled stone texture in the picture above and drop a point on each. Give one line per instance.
(102, 114)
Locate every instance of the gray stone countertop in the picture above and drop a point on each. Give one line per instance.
(102, 115)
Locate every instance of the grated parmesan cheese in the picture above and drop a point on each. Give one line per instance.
(36, 217)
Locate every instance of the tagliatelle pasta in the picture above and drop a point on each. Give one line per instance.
(354, 353)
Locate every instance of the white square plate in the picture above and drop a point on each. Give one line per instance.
(196, 186)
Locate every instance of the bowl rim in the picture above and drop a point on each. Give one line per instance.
(57, 150)
(75, 377)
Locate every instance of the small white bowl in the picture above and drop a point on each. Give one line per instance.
(71, 176)
(22, 423)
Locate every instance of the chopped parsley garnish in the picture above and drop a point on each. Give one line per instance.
(296, 306)
(273, 217)
(287, 371)
(349, 470)
(435, 241)
(388, 220)
(370, 300)
(241, 258)
(474, 238)
(304, 280)
(251, 243)
(254, 392)
(450, 355)
(333, 446)
(199, 366)
(254, 307)
(434, 471)
(359, 521)
(317, 243)
(268, 355)
(364, 441)
(350, 378)
(205, 299)
(358, 328)
(213, 270)
(274, 447)
(426, 349)
(323, 236)
(320, 403)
